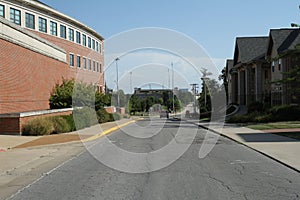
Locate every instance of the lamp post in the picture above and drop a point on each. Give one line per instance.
(118, 96)
(205, 91)
(130, 81)
(173, 86)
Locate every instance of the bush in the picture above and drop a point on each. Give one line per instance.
(255, 107)
(70, 121)
(60, 125)
(84, 117)
(103, 116)
(38, 126)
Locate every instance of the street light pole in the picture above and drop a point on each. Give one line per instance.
(118, 96)
(173, 86)
(130, 81)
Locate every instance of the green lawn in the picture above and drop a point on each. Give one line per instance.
(279, 125)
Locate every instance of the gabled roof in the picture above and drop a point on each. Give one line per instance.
(283, 39)
(249, 49)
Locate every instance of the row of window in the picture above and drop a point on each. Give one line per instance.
(81, 38)
(85, 63)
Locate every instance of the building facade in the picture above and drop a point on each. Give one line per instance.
(40, 47)
(260, 65)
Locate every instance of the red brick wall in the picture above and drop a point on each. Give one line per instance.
(27, 78)
(77, 49)
(9, 125)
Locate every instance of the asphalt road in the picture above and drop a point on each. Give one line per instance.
(229, 171)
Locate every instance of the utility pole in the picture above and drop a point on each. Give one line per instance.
(173, 86)
(130, 81)
(118, 95)
(195, 87)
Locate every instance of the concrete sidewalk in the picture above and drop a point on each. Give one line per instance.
(283, 149)
(22, 166)
(8, 142)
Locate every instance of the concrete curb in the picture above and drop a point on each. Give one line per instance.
(89, 139)
(258, 151)
(275, 159)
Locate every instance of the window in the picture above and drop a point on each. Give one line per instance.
(71, 60)
(71, 34)
(78, 37)
(97, 67)
(15, 16)
(100, 47)
(29, 21)
(84, 63)
(53, 28)
(97, 46)
(63, 31)
(94, 66)
(89, 42)
(279, 64)
(100, 68)
(93, 43)
(90, 64)
(273, 66)
(42, 25)
(78, 61)
(84, 40)
(2, 11)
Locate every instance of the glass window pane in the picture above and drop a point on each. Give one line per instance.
(83, 40)
(29, 21)
(2, 11)
(15, 16)
(53, 28)
(63, 31)
(42, 25)
(89, 42)
(71, 34)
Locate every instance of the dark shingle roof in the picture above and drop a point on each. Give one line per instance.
(291, 41)
(250, 48)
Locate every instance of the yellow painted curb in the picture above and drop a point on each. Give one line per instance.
(94, 137)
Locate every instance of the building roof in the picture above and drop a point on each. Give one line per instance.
(50, 11)
(249, 49)
(283, 39)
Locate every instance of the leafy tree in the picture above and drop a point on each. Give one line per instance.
(61, 96)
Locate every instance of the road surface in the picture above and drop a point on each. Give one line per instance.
(229, 171)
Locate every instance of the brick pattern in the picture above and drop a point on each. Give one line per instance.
(27, 78)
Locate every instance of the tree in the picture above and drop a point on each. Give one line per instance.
(69, 93)
(223, 77)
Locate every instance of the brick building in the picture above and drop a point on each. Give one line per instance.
(40, 46)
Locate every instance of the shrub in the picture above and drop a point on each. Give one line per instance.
(38, 126)
(255, 107)
(103, 116)
(84, 117)
(60, 125)
(70, 121)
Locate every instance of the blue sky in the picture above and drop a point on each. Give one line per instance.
(214, 24)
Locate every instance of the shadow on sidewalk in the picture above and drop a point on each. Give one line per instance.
(264, 137)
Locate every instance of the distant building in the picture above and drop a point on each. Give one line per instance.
(39, 46)
(156, 93)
